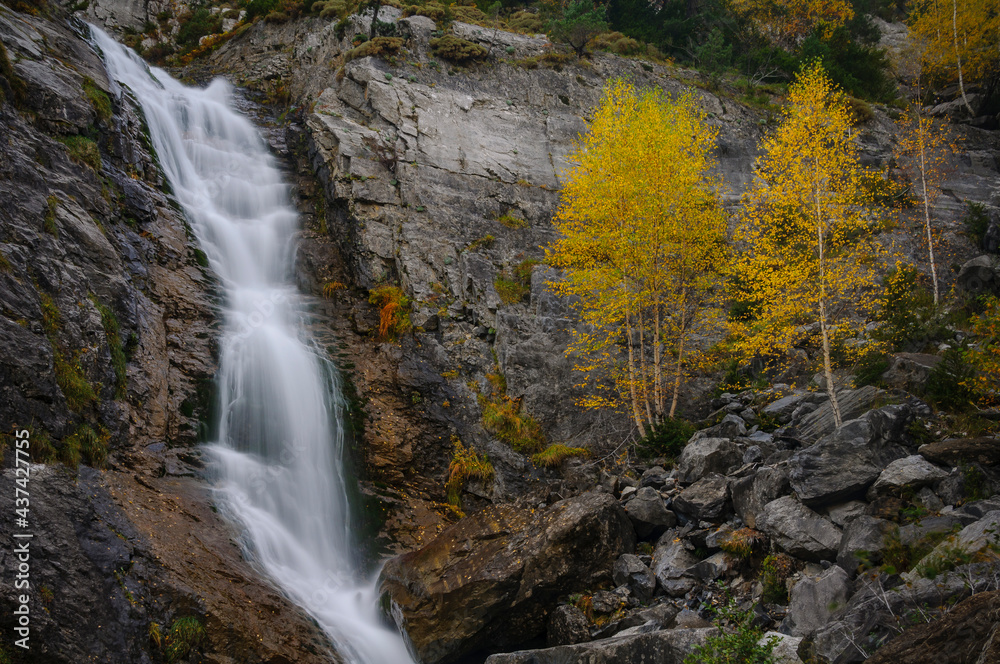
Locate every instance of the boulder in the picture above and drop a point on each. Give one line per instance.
(649, 516)
(845, 463)
(912, 533)
(567, 625)
(909, 371)
(843, 513)
(820, 422)
(912, 472)
(816, 601)
(967, 633)
(798, 530)
(954, 451)
(632, 572)
(714, 566)
(490, 579)
(783, 408)
(751, 493)
(707, 455)
(864, 533)
(663, 647)
(705, 499)
(981, 275)
(672, 563)
(786, 648)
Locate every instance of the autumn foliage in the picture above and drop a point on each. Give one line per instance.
(643, 241)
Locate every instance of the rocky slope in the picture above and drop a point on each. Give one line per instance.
(107, 322)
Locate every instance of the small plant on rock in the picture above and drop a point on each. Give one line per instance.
(465, 465)
(668, 439)
(774, 571)
(553, 455)
(394, 311)
(738, 641)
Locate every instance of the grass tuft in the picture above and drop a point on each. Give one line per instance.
(553, 455)
(465, 465)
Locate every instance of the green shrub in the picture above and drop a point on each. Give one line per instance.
(257, 8)
(976, 220)
(49, 221)
(738, 641)
(432, 10)
(553, 455)
(975, 483)
(525, 22)
(184, 636)
(666, 439)
(465, 465)
(82, 150)
(198, 24)
(504, 418)
(906, 313)
(72, 381)
(377, 47)
(86, 444)
(950, 383)
(512, 221)
(40, 446)
(774, 571)
(98, 98)
(514, 288)
(113, 333)
(457, 50)
(870, 368)
(18, 89)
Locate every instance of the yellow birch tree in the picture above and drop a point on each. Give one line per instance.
(960, 40)
(643, 239)
(806, 238)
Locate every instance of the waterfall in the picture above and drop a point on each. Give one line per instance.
(278, 460)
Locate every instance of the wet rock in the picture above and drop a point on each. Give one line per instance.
(798, 530)
(648, 514)
(816, 601)
(664, 647)
(490, 579)
(954, 451)
(751, 493)
(707, 455)
(705, 499)
(912, 472)
(631, 571)
(567, 625)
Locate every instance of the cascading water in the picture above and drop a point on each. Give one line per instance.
(278, 459)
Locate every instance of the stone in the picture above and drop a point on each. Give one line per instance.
(929, 500)
(707, 455)
(820, 422)
(714, 566)
(672, 563)
(798, 530)
(845, 463)
(783, 408)
(912, 533)
(981, 276)
(663, 647)
(816, 601)
(843, 513)
(705, 499)
(966, 633)
(864, 533)
(655, 477)
(567, 625)
(490, 578)
(608, 601)
(909, 371)
(981, 508)
(631, 571)
(785, 649)
(955, 451)
(912, 472)
(751, 493)
(648, 514)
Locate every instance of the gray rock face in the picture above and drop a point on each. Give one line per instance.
(707, 455)
(972, 539)
(632, 572)
(751, 493)
(705, 499)
(784, 407)
(910, 472)
(567, 626)
(864, 533)
(816, 601)
(664, 647)
(648, 514)
(786, 649)
(909, 371)
(820, 422)
(798, 530)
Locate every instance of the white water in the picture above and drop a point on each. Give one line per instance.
(280, 472)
